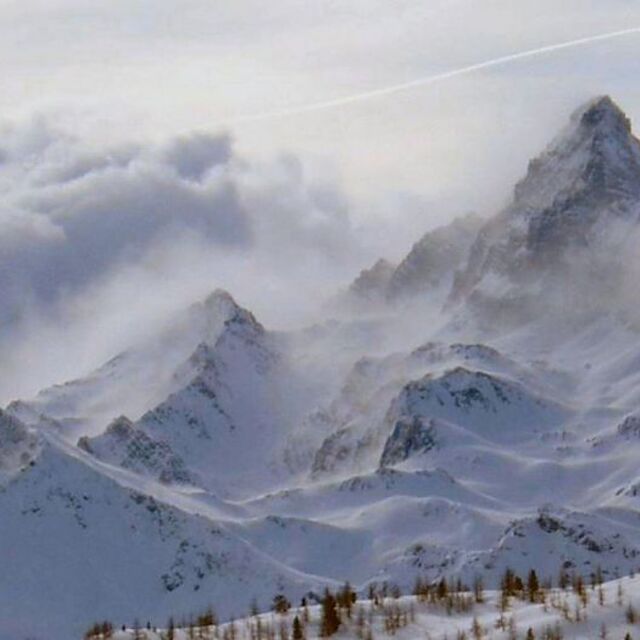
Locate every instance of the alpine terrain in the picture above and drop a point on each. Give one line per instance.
(472, 409)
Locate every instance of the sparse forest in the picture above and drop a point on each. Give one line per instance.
(523, 608)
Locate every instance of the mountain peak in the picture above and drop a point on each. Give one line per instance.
(221, 300)
(219, 311)
(602, 112)
(585, 180)
(595, 159)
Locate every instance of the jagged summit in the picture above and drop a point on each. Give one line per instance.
(430, 264)
(219, 311)
(602, 111)
(221, 300)
(137, 379)
(18, 444)
(435, 257)
(221, 306)
(573, 197)
(372, 283)
(596, 157)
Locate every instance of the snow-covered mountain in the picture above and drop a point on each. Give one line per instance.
(219, 461)
(138, 378)
(573, 216)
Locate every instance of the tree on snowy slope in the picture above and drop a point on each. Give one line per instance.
(346, 598)
(533, 586)
(297, 629)
(330, 621)
(281, 604)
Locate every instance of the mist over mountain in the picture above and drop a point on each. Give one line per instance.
(471, 408)
(566, 241)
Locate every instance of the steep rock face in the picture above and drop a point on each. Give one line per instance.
(430, 264)
(629, 429)
(572, 198)
(435, 258)
(18, 444)
(226, 400)
(137, 379)
(372, 284)
(577, 541)
(123, 445)
(229, 413)
(410, 436)
(370, 424)
(489, 407)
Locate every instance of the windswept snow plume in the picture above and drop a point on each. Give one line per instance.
(86, 233)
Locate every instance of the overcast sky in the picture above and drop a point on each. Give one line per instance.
(161, 66)
(123, 177)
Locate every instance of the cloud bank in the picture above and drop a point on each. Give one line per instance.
(97, 244)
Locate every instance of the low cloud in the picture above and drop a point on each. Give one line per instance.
(86, 233)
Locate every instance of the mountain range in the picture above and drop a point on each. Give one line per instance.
(219, 461)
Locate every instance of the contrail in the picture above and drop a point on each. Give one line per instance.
(424, 81)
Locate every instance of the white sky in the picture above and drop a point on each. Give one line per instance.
(153, 67)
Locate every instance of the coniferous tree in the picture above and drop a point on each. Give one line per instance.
(330, 621)
(281, 604)
(208, 618)
(530, 634)
(518, 585)
(508, 583)
(171, 629)
(346, 598)
(305, 611)
(442, 590)
(478, 589)
(533, 586)
(297, 629)
(563, 578)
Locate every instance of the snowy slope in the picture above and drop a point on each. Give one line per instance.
(609, 611)
(133, 381)
(221, 461)
(77, 543)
